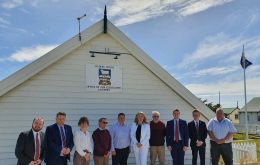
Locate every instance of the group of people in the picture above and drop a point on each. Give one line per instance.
(55, 146)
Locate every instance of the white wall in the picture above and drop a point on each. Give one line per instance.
(62, 87)
(252, 118)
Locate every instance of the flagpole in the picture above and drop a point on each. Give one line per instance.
(246, 120)
(219, 98)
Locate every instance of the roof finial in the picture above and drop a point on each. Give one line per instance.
(105, 19)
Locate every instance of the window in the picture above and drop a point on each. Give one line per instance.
(258, 117)
(236, 116)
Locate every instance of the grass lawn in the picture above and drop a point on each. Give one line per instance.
(240, 136)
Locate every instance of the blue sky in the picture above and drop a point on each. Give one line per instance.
(199, 42)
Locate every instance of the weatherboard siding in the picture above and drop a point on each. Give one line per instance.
(62, 87)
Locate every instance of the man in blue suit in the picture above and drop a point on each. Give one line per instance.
(177, 138)
(59, 141)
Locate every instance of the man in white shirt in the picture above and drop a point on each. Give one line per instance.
(221, 132)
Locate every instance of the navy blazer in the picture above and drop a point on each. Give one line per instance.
(54, 143)
(25, 147)
(183, 132)
(194, 136)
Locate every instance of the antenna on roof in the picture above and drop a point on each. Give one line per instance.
(79, 18)
(105, 19)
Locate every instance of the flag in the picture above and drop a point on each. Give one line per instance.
(243, 61)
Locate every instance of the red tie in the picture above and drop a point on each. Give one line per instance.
(177, 131)
(37, 152)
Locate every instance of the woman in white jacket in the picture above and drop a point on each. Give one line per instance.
(140, 135)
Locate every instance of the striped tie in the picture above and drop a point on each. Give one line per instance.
(63, 137)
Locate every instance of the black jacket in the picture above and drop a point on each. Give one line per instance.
(25, 148)
(194, 136)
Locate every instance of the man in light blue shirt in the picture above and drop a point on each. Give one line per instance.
(221, 132)
(120, 135)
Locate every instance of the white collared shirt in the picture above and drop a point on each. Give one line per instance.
(83, 142)
(34, 136)
(221, 128)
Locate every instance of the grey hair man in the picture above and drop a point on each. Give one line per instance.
(157, 139)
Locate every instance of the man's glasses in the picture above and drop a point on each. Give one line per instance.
(104, 122)
(155, 116)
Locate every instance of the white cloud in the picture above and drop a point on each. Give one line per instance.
(253, 18)
(125, 12)
(5, 24)
(198, 6)
(24, 11)
(227, 88)
(10, 4)
(30, 53)
(4, 21)
(216, 71)
(221, 45)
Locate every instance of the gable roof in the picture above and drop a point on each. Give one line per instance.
(54, 55)
(253, 105)
(229, 110)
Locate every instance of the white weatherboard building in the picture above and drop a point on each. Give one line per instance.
(68, 79)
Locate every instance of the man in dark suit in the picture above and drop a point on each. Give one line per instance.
(59, 140)
(198, 134)
(30, 146)
(177, 138)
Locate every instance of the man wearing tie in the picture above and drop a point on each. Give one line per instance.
(177, 138)
(198, 134)
(59, 141)
(30, 146)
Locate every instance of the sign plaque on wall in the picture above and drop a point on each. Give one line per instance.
(107, 78)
